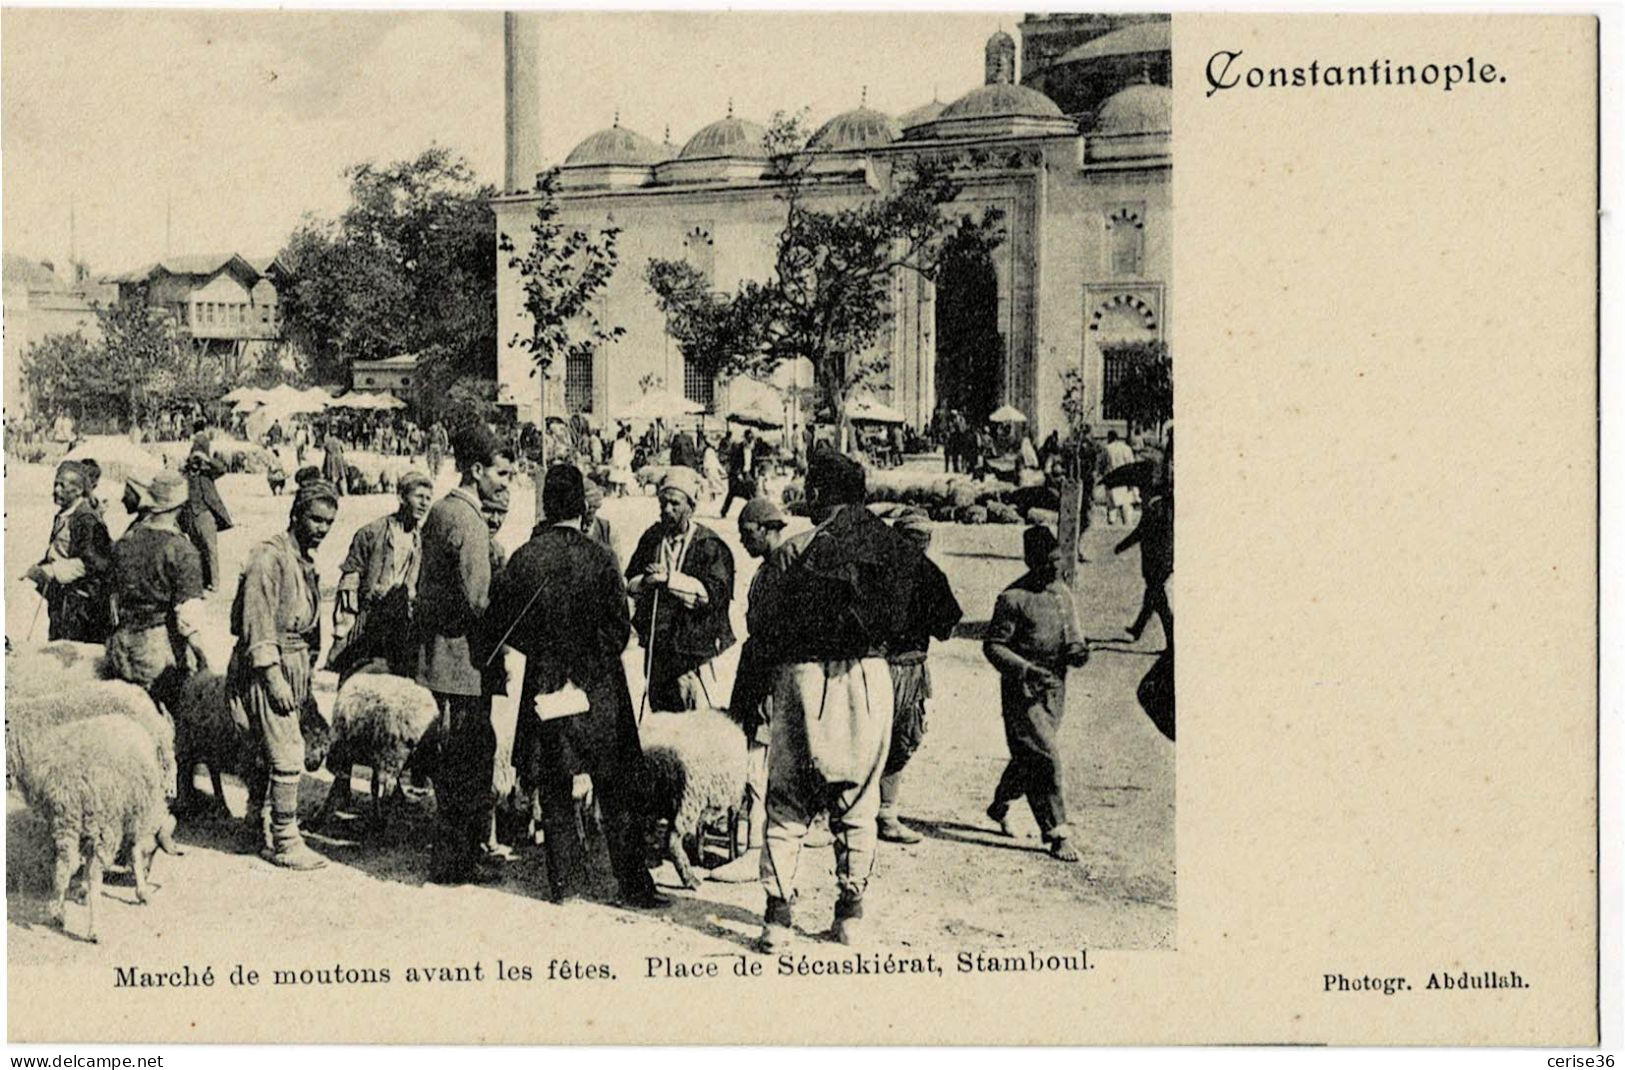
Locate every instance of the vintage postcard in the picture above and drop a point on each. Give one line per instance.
(588, 527)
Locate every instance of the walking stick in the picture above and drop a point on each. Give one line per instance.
(649, 656)
(35, 622)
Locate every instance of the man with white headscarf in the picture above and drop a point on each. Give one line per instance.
(681, 579)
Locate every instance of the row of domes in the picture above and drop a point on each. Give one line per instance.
(1138, 109)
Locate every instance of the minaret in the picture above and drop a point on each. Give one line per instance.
(521, 41)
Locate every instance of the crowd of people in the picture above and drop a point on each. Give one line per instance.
(830, 690)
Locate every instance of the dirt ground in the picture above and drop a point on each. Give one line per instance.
(964, 887)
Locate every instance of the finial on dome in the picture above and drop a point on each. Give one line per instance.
(730, 107)
(863, 97)
(1000, 59)
(668, 133)
(617, 121)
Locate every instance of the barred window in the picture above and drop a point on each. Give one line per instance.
(578, 382)
(1111, 397)
(698, 385)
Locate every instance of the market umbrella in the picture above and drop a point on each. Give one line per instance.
(755, 403)
(1007, 414)
(861, 408)
(241, 394)
(660, 405)
(1133, 474)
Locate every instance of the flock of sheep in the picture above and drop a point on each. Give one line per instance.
(102, 765)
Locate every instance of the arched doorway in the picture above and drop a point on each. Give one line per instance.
(970, 349)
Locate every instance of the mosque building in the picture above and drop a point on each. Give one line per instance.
(1076, 154)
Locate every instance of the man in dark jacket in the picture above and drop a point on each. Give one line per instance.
(1155, 537)
(561, 602)
(71, 576)
(454, 588)
(372, 610)
(681, 578)
(205, 515)
(843, 599)
(741, 471)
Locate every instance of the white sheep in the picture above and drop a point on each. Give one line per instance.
(99, 786)
(378, 720)
(208, 734)
(29, 714)
(696, 764)
(58, 664)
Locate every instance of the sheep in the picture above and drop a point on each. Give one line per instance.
(28, 715)
(378, 720)
(99, 786)
(696, 763)
(51, 667)
(208, 733)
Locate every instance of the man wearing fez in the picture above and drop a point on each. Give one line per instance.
(157, 592)
(843, 598)
(71, 576)
(275, 619)
(933, 614)
(372, 614)
(454, 589)
(1033, 639)
(681, 579)
(561, 602)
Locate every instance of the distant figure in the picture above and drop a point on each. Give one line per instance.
(1033, 639)
(620, 462)
(205, 515)
(1155, 537)
(741, 471)
(334, 468)
(684, 452)
(1119, 499)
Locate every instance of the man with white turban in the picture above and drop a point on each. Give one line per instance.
(681, 579)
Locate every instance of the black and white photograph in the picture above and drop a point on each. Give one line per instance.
(745, 517)
(622, 527)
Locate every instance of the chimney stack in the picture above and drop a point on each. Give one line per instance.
(521, 41)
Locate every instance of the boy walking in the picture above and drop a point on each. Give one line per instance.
(1032, 641)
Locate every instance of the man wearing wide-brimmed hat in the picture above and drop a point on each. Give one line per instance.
(275, 619)
(157, 592)
(71, 576)
(681, 579)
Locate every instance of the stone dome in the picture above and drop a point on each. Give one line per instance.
(616, 145)
(726, 137)
(860, 128)
(1002, 100)
(1132, 40)
(1139, 109)
(925, 113)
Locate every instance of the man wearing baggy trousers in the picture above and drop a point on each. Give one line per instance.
(843, 597)
(274, 617)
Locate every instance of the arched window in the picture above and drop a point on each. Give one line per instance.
(1125, 238)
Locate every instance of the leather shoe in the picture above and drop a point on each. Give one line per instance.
(892, 830)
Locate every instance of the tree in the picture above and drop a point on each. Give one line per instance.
(829, 296)
(409, 265)
(1144, 395)
(141, 356)
(57, 370)
(564, 271)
